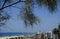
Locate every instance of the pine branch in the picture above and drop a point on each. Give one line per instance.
(4, 3)
(11, 5)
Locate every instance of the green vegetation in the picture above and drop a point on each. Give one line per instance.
(27, 9)
(57, 31)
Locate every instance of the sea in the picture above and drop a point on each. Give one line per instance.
(14, 34)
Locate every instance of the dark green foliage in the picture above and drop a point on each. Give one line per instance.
(57, 31)
(3, 18)
(27, 10)
(28, 16)
(58, 26)
(52, 4)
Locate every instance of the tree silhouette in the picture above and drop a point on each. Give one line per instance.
(26, 12)
(57, 31)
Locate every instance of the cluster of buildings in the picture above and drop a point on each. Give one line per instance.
(37, 35)
(47, 35)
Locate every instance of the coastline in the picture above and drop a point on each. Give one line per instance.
(7, 37)
(16, 37)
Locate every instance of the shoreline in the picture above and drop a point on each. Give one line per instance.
(9, 37)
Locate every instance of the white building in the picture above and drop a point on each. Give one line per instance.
(50, 35)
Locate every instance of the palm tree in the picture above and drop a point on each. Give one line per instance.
(57, 31)
(26, 12)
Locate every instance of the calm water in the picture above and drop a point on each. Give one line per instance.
(14, 34)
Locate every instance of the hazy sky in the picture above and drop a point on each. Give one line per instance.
(48, 21)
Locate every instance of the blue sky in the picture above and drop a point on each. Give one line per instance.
(48, 21)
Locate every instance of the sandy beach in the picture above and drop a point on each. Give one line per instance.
(16, 37)
(7, 37)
